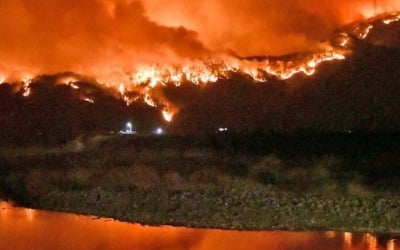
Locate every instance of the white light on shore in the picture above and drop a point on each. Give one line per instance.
(128, 129)
(159, 131)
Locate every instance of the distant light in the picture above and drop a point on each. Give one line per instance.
(159, 131)
(223, 130)
(128, 129)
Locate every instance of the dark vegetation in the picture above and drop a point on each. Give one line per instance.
(251, 181)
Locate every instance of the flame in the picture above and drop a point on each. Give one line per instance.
(2, 79)
(27, 80)
(145, 80)
(344, 40)
(366, 31)
(168, 116)
(68, 80)
(392, 19)
(121, 89)
(148, 78)
(149, 100)
(87, 99)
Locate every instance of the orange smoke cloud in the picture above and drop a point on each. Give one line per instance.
(81, 36)
(94, 36)
(259, 27)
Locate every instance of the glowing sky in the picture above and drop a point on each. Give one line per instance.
(93, 36)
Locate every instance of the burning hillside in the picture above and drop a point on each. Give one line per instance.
(146, 83)
(130, 53)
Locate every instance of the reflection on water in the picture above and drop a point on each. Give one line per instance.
(32, 229)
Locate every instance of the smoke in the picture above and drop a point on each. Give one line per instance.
(259, 27)
(92, 36)
(51, 36)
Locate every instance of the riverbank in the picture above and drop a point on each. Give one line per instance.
(214, 184)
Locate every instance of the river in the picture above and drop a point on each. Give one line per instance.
(29, 229)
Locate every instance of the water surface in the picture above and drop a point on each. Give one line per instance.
(33, 229)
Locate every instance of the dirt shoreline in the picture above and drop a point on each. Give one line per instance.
(256, 210)
(155, 183)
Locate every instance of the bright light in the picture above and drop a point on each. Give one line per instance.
(128, 129)
(223, 130)
(159, 131)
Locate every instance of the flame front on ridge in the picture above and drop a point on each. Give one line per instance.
(147, 79)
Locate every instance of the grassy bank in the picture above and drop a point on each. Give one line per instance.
(255, 182)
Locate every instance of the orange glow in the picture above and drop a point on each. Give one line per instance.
(68, 80)
(30, 214)
(371, 242)
(347, 240)
(32, 229)
(259, 27)
(330, 234)
(391, 245)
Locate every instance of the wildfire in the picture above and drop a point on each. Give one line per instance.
(344, 40)
(146, 80)
(70, 81)
(167, 115)
(87, 99)
(392, 19)
(27, 80)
